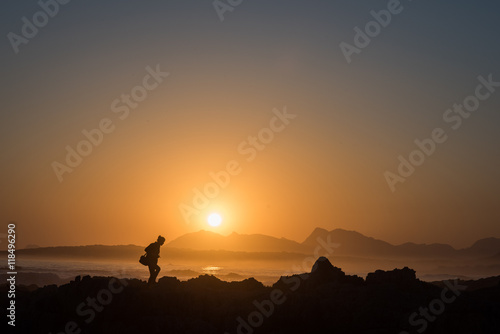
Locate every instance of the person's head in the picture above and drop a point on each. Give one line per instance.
(161, 240)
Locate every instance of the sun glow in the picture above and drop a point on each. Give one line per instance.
(214, 219)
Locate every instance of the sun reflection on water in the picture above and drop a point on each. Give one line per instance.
(211, 270)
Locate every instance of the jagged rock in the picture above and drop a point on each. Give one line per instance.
(169, 282)
(323, 301)
(324, 271)
(398, 277)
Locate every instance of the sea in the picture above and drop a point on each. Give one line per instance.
(49, 271)
(41, 272)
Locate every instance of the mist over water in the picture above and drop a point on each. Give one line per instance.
(49, 271)
(66, 270)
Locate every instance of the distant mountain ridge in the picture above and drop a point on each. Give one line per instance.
(337, 242)
(205, 240)
(343, 243)
(353, 243)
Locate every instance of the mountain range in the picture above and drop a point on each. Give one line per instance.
(337, 242)
(340, 241)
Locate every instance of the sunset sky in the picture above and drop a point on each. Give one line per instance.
(323, 166)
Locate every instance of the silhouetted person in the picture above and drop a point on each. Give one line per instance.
(152, 255)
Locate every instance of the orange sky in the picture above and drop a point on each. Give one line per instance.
(325, 168)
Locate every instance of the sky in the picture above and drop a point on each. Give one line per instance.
(127, 119)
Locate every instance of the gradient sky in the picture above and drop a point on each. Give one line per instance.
(325, 169)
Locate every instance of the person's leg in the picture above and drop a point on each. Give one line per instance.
(152, 276)
(156, 271)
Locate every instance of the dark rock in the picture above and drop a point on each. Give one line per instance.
(323, 301)
(396, 277)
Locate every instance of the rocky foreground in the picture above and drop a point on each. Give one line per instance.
(323, 301)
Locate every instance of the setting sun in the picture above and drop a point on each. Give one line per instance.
(214, 219)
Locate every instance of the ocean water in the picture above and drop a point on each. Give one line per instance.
(49, 271)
